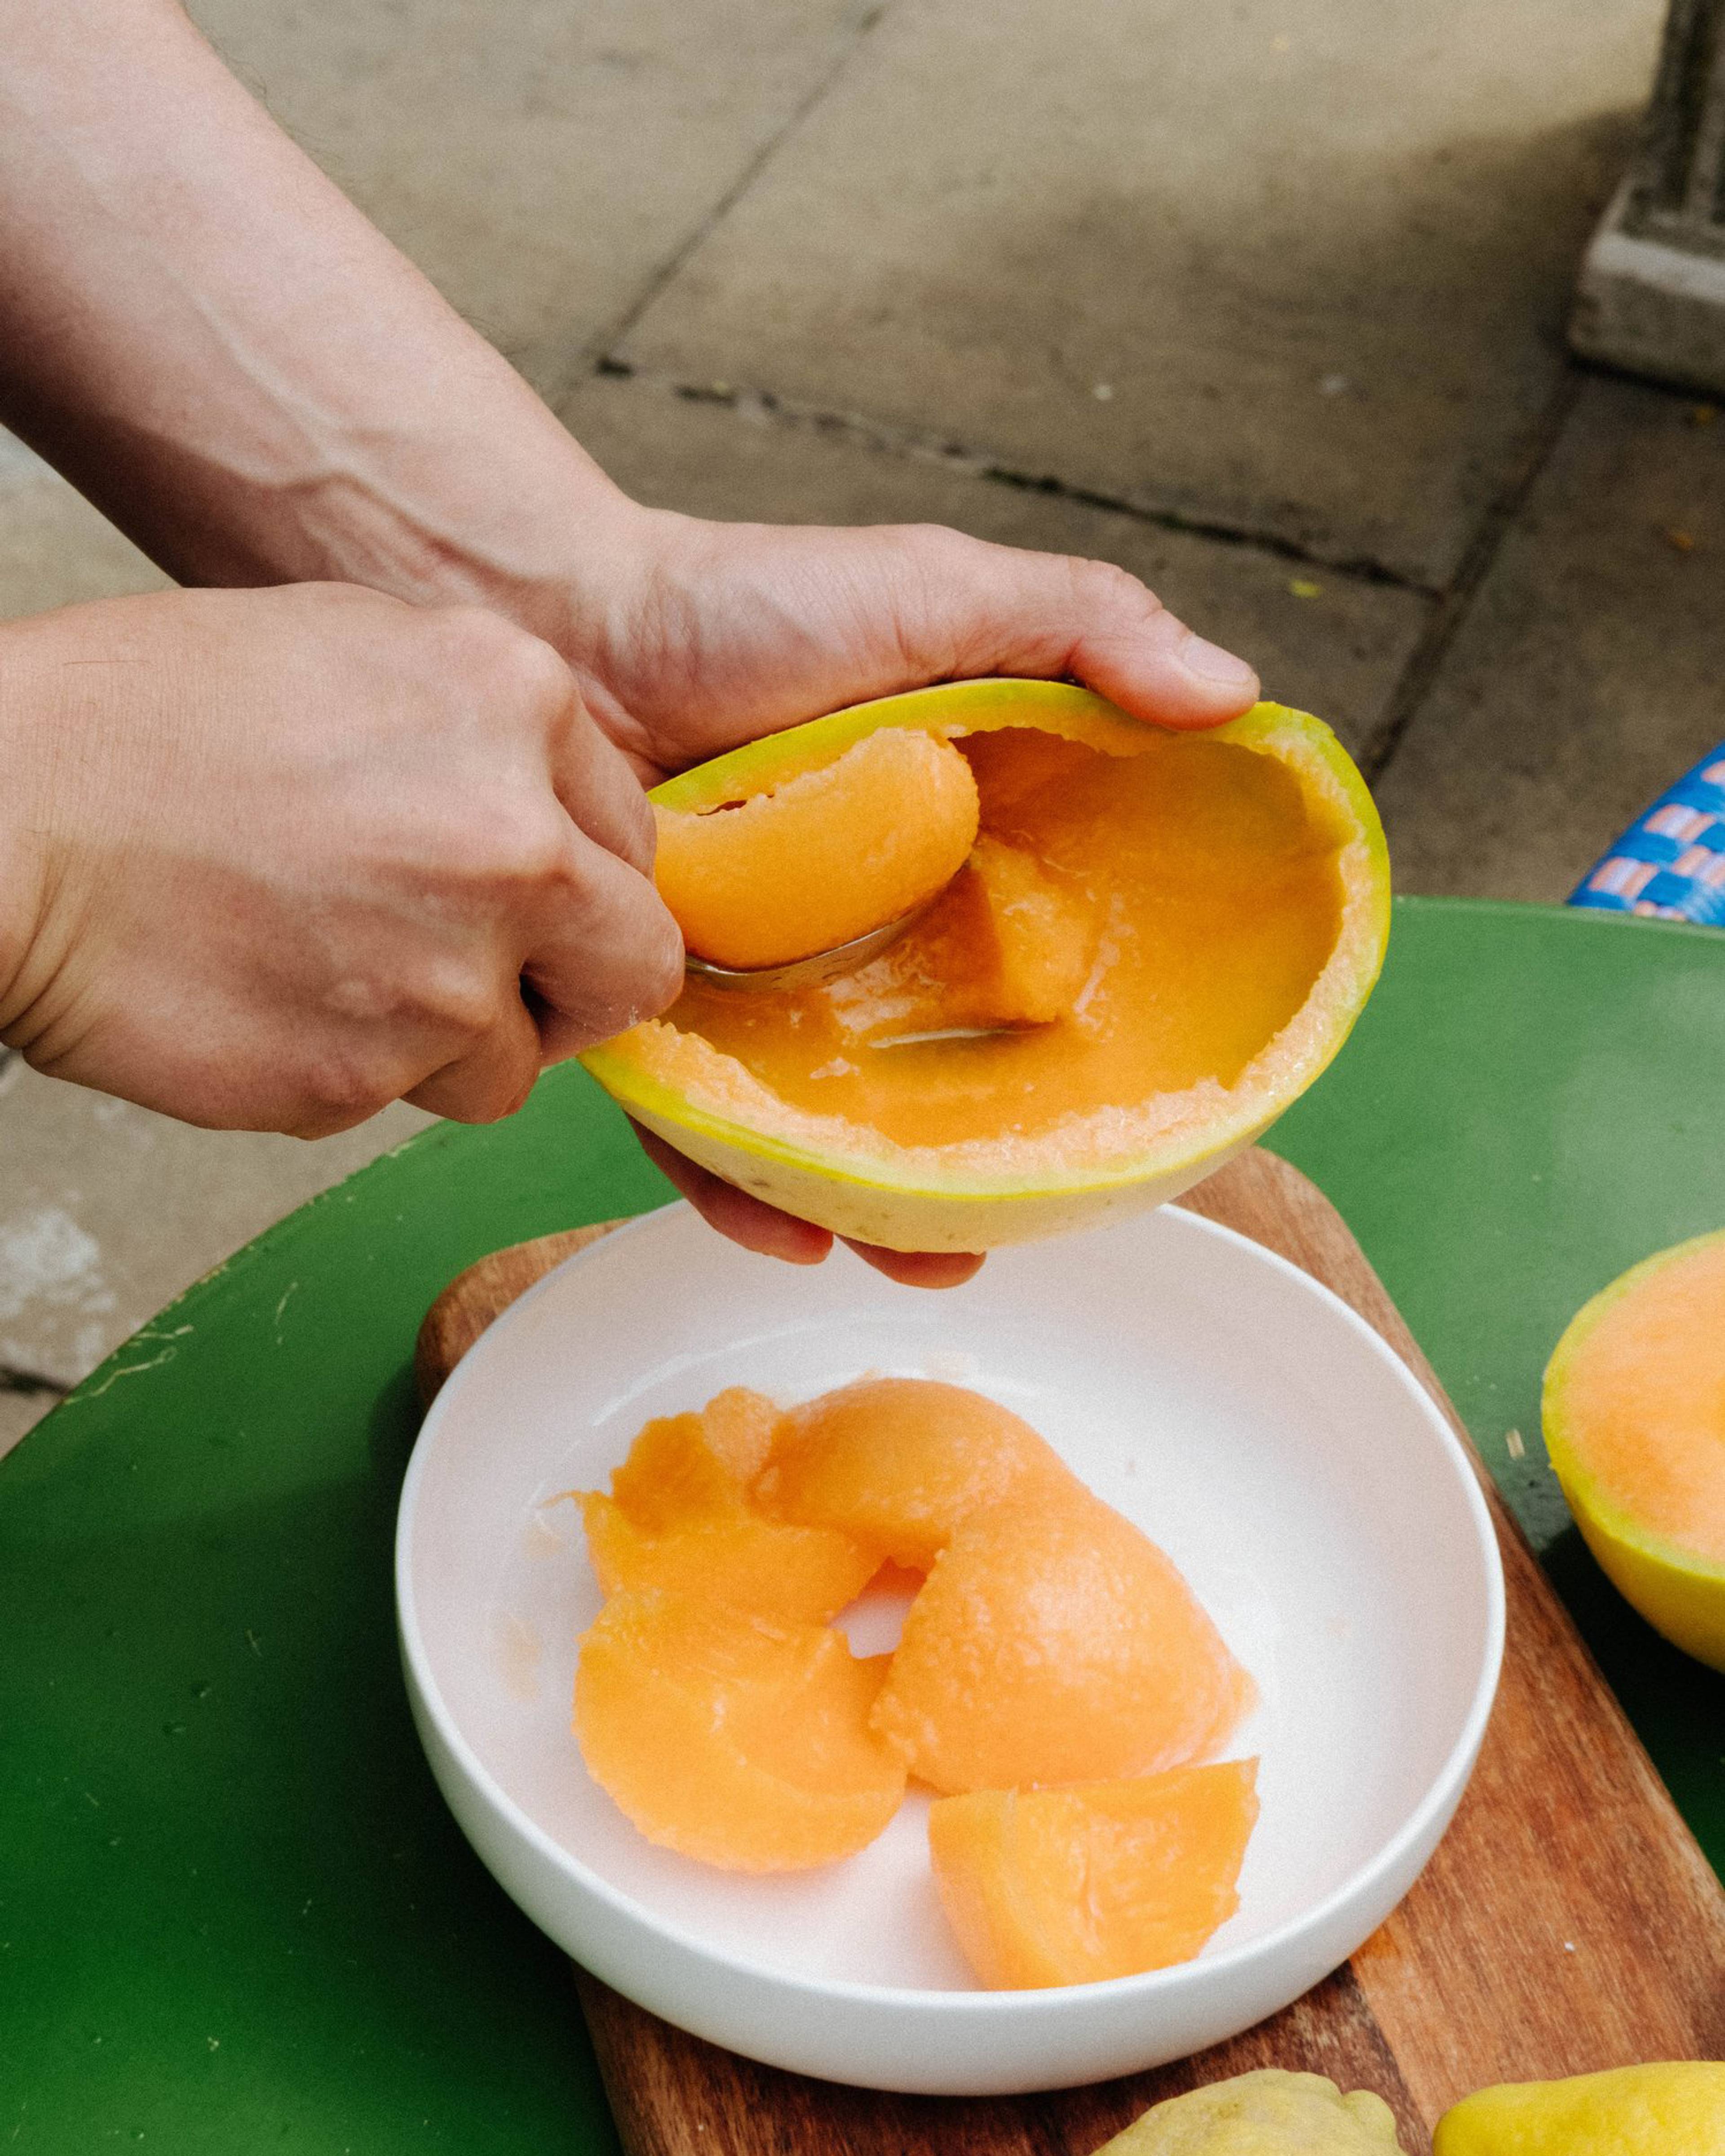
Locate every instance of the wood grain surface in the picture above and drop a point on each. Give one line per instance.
(1568, 1922)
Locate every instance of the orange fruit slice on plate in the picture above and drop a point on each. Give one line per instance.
(1047, 1886)
(742, 1744)
(1054, 1642)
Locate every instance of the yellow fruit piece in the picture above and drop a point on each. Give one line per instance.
(1053, 1642)
(742, 1744)
(1109, 1879)
(1674, 2110)
(1266, 2113)
(679, 1519)
(818, 858)
(1172, 933)
(1634, 1422)
(901, 1463)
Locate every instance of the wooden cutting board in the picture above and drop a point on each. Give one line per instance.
(1568, 1922)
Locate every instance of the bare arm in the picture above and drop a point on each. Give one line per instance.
(209, 339)
(212, 343)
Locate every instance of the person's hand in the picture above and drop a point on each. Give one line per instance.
(276, 858)
(341, 421)
(698, 636)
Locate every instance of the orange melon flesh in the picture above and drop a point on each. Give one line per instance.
(1144, 924)
(1641, 1398)
(679, 1519)
(1053, 1642)
(744, 1744)
(687, 1467)
(823, 858)
(900, 1464)
(1111, 1879)
(788, 1575)
(1004, 945)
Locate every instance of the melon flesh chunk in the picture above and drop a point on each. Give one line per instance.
(823, 858)
(1054, 1642)
(788, 1575)
(679, 1518)
(742, 1744)
(1109, 1879)
(900, 1464)
(1640, 1402)
(682, 1468)
(1005, 945)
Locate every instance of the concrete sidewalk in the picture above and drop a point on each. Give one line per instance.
(1263, 302)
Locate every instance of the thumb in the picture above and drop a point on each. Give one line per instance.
(980, 608)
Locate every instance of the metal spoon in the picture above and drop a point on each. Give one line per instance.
(806, 972)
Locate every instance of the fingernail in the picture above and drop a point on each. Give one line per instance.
(1210, 662)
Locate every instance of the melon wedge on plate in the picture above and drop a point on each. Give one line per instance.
(1156, 941)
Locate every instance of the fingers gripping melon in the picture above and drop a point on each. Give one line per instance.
(1155, 943)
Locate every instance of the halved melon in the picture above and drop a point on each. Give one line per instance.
(1047, 1886)
(1158, 941)
(1635, 1423)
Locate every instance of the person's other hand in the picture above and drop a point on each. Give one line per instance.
(701, 635)
(281, 857)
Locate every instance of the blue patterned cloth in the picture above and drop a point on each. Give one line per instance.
(1670, 862)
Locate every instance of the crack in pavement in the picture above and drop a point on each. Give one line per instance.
(765, 406)
(14, 1379)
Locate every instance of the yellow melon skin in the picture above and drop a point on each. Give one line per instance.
(1076, 1886)
(1674, 2109)
(1054, 1642)
(1669, 1310)
(744, 1744)
(903, 1199)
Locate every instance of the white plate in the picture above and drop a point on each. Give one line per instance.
(1245, 1418)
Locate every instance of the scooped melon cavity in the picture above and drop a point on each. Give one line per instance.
(821, 859)
(1127, 928)
(1146, 945)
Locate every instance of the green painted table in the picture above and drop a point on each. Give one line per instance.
(233, 1914)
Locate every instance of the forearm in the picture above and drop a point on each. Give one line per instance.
(200, 331)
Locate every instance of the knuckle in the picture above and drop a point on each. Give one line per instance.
(500, 658)
(339, 1088)
(515, 843)
(663, 974)
(1105, 587)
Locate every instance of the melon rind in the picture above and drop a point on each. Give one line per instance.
(907, 1204)
(1680, 1593)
